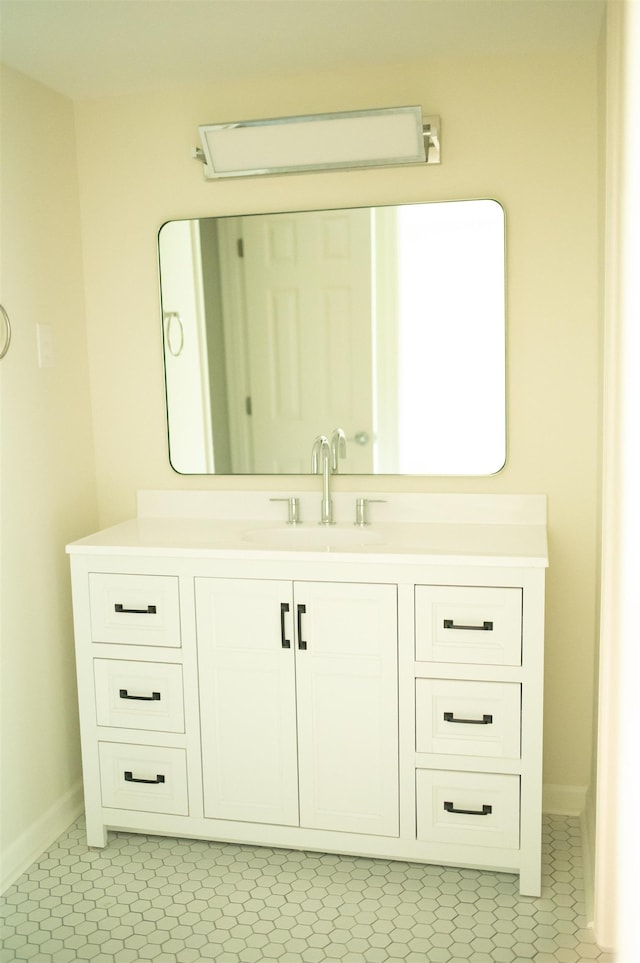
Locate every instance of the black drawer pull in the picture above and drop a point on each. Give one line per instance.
(485, 627)
(150, 610)
(485, 721)
(286, 643)
(485, 811)
(128, 777)
(301, 611)
(154, 697)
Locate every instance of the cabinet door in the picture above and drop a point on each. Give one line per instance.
(247, 698)
(346, 672)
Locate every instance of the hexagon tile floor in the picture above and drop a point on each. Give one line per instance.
(180, 901)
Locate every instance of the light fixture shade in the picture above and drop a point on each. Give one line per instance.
(361, 138)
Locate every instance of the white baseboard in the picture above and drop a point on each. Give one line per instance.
(577, 801)
(588, 827)
(25, 850)
(564, 800)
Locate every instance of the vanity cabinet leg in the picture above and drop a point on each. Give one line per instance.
(531, 878)
(97, 834)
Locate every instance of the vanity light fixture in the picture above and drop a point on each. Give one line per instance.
(384, 137)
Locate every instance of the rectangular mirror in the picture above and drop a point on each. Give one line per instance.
(386, 322)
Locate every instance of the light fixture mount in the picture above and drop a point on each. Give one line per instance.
(384, 137)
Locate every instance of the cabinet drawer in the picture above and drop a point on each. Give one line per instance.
(135, 609)
(139, 695)
(468, 718)
(145, 778)
(462, 623)
(468, 808)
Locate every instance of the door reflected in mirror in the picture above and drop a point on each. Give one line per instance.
(387, 322)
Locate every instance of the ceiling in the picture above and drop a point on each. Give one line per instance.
(98, 48)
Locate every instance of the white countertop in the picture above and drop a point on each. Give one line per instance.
(517, 538)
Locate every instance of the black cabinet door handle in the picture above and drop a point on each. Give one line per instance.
(485, 721)
(286, 643)
(485, 627)
(154, 697)
(150, 610)
(485, 811)
(301, 609)
(128, 777)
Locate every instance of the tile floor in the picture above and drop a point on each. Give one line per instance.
(180, 901)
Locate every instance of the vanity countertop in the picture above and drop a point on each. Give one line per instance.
(487, 530)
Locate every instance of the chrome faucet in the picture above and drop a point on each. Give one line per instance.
(338, 448)
(321, 454)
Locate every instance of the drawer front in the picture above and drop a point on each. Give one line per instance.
(468, 718)
(144, 778)
(462, 623)
(139, 695)
(468, 808)
(135, 609)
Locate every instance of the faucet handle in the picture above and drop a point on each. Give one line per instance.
(294, 508)
(361, 509)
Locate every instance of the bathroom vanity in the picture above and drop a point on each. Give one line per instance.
(373, 689)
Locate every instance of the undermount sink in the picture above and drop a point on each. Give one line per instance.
(312, 538)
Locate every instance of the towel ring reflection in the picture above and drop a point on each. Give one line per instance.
(7, 336)
(169, 318)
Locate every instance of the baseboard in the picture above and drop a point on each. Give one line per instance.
(564, 800)
(588, 827)
(577, 801)
(25, 850)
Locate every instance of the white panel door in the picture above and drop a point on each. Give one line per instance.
(308, 302)
(346, 657)
(247, 699)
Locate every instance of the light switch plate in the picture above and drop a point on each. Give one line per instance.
(46, 355)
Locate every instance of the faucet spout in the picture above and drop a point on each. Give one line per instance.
(316, 452)
(321, 456)
(338, 448)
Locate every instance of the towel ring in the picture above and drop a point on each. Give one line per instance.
(7, 336)
(170, 317)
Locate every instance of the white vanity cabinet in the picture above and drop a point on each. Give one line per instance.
(380, 695)
(299, 703)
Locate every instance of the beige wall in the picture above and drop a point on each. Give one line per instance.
(522, 131)
(47, 468)
(534, 150)
(607, 135)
